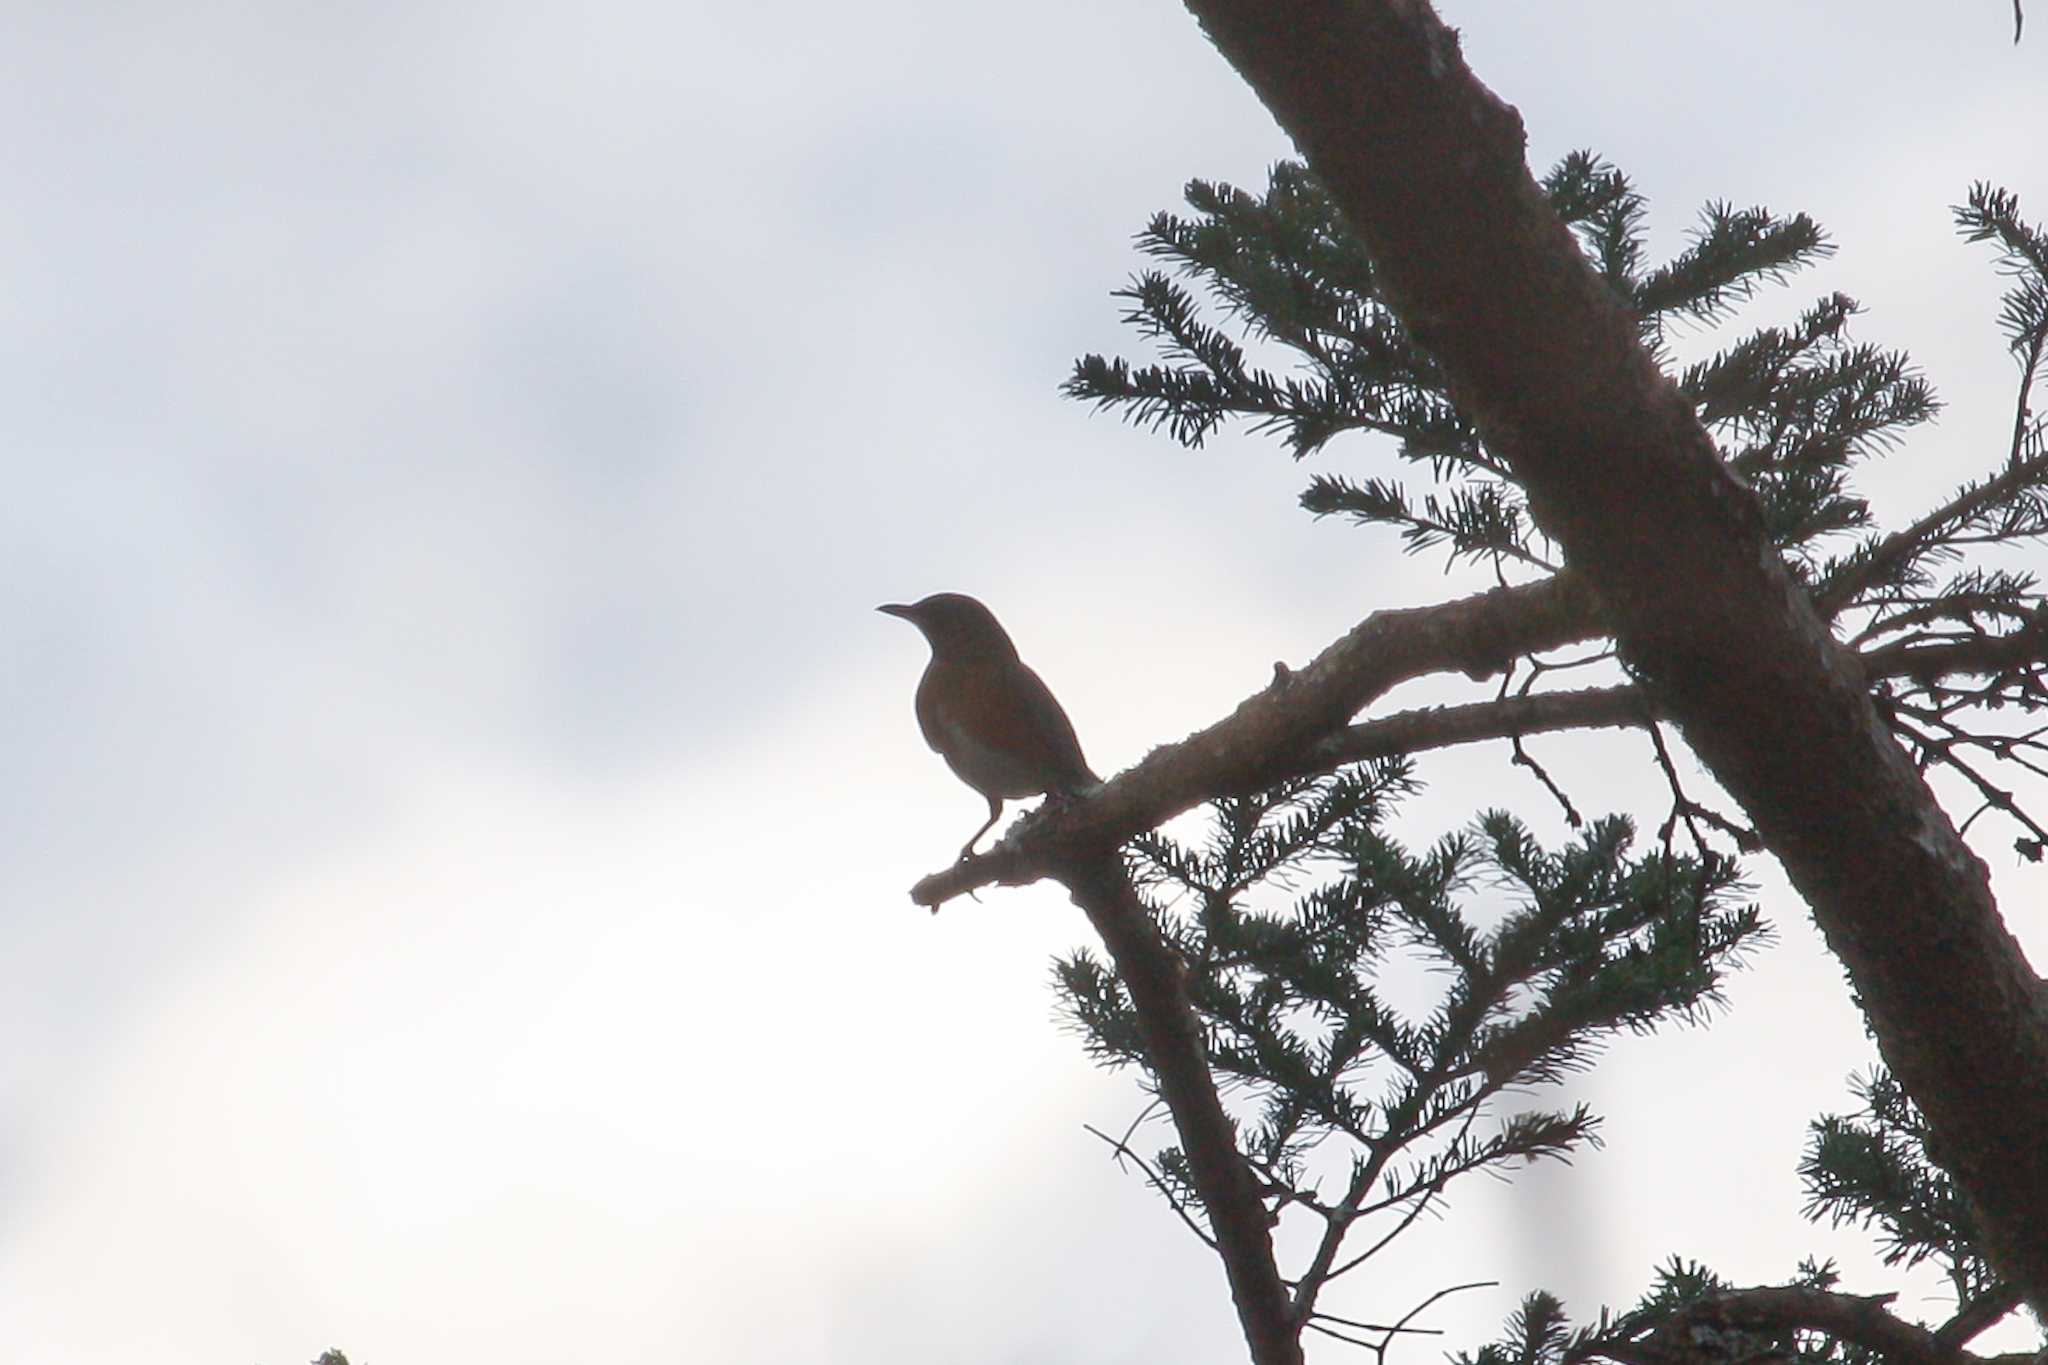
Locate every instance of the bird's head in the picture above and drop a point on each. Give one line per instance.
(955, 622)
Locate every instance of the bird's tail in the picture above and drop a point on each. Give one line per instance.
(1084, 784)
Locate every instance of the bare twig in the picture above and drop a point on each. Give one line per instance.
(1522, 760)
(1123, 1152)
(1380, 1326)
(1994, 796)
(1680, 803)
(1399, 1328)
(1315, 1326)
(1338, 1225)
(1401, 1323)
(1422, 1195)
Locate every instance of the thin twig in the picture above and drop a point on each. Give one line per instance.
(1315, 1326)
(1522, 760)
(1426, 1192)
(1680, 803)
(1420, 1308)
(2030, 366)
(1995, 797)
(1122, 1151)
(1380, 1326)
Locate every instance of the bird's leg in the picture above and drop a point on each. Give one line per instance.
(995, 812)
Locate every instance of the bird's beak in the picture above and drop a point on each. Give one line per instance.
(895, 609)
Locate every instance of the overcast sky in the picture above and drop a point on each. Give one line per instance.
(459, 800)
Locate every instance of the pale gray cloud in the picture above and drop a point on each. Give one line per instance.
(459, 798)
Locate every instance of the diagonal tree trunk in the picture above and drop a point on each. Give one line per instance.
(1428, 166)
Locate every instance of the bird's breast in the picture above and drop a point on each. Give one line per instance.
(998, 729)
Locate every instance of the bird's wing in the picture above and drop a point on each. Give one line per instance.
(1003, 731)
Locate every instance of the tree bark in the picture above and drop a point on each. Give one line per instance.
(1427, 165)
(1296, 726)
(1172, 1034)
(1274, 733)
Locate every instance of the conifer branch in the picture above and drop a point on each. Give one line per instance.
(1550, 368)
(1273, 733)
(1900, 546)
(1409, 644)
(1689, 1336)
(1337, 1225)
(1286, 1004)
(1570, 415)
(1179, 1065)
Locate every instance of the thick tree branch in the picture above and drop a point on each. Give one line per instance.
(1427, 165)
(1177, 777)
(1987, 655)
(1273, 733)
(1387, 648)
(1078, 846)
(1594, 708)
(1179, 1062)
(1442, 727)
(1857, 1319)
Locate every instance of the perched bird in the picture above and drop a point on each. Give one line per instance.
(988, 715)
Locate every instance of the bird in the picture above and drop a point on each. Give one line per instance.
(992, 719)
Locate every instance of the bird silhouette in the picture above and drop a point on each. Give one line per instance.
(991, 718)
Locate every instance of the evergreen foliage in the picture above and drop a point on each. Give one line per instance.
(1795, 408)
(1292, 910)
(1295, 908)
(1870, 1169)
(1540, 1333)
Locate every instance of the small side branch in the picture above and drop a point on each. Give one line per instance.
(1522, 760)
(1392, 1330)
(1392, 647)
(1900, 546)
(1273, 733)
(1121, 1148)
(1441, 727)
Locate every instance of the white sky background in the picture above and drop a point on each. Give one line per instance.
(460, 801)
